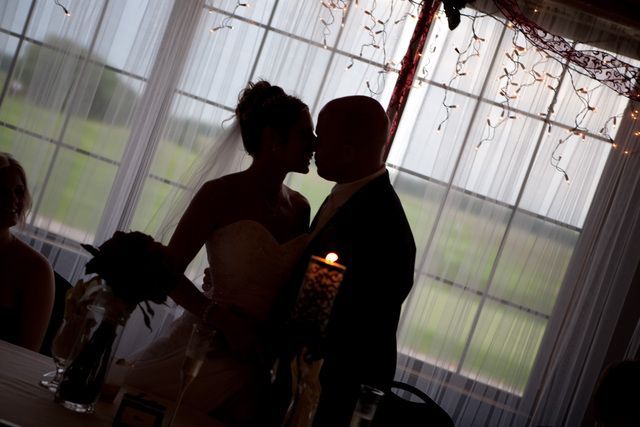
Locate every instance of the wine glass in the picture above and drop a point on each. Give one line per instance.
(71, 330)
(59, 354)
(74, 329)
(197, 349)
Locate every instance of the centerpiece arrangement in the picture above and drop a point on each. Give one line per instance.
(133, 269)
(310, 319)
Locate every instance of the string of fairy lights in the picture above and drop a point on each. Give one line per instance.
(377, 30)
(471, 50)
(510, 89)
(516, 78)
(225, 24)
(64, 9)
(376, 27)
(426, 59)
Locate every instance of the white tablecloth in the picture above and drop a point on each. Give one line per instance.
(24, 402)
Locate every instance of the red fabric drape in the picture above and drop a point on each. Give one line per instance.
(620, 76)
(409, 66)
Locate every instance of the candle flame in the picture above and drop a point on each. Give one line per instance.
(331, 257)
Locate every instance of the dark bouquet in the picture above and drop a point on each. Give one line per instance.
(135, 268)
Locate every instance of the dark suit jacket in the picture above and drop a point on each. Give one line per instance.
(371, 234)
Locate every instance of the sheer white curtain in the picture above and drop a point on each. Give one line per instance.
(68, 111)
(109, 109)
(508, 306)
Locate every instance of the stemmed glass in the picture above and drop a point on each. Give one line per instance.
(59, 352)
(73, 330)
(196, 352)
(52, 384)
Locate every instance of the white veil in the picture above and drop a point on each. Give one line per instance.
(224, 156)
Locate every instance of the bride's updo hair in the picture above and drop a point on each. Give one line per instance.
(261, 106)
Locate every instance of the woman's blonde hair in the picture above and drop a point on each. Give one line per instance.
(8, 161)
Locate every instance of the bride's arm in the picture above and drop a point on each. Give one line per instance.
(195, 226)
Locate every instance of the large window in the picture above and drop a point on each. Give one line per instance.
(494, 216)
(72, 89)
(495, 223)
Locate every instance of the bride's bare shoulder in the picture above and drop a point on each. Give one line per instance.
(223, 186)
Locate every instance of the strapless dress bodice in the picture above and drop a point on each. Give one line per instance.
(248, 266)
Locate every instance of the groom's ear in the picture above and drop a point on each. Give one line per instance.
(349, 153)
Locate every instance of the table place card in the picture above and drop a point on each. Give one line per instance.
(135, 411)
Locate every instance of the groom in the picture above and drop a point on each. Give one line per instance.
(362, 220)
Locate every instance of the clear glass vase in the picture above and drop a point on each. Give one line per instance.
(85, 373)
(306, 390)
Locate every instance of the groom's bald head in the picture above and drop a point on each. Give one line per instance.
(352, 133)
(359, 118)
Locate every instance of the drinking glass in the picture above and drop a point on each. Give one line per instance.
(74, 328)
(195, 354)
(366, 406)
(61, 346)
(55, 376)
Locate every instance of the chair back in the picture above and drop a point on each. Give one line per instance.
(397, 411)
(57, 313)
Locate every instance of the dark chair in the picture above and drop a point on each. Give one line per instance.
(396, 411)
(57, 314)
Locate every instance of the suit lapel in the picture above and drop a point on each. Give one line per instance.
(343, 209)
(316, 218)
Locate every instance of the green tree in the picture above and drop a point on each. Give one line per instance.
(58, 63)
(101, 91)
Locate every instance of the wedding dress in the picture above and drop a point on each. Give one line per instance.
(248, 268)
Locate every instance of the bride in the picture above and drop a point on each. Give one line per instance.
(254, 229)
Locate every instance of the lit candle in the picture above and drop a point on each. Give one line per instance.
(318, 292)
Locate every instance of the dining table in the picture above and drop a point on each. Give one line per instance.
(23, 402)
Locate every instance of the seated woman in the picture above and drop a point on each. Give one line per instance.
(26, 278)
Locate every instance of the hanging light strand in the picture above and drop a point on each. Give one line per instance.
(377, 28)
(431, 49)
(611, 122)
(471, 50)
(584, 95)
(65, 10)
(227, 20)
